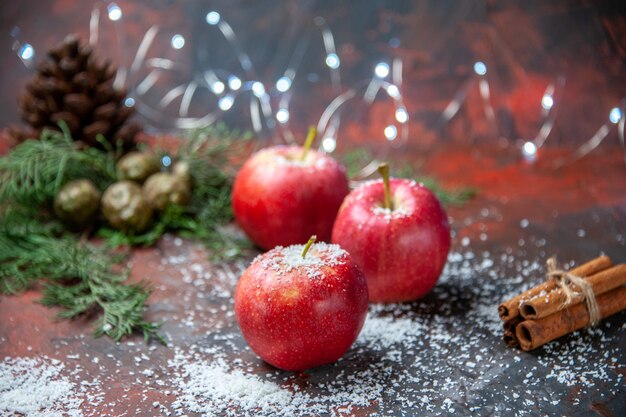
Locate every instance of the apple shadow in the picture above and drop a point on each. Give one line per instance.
(447, 299)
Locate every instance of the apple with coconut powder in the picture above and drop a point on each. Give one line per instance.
(301, 306)
(398, 233)
(284, 194)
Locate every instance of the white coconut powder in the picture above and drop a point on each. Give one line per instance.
(286, 259)
(410, 359)
(439, 356)
(41, 387)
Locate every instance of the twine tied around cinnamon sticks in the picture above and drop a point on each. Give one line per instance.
(564, 280)
(555, 307)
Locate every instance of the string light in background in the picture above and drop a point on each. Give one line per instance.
(213, 18)
(401, 115)
(258, 88)
(114, 12)
(615, 118)
(615, 115)
(26, 52)
(393, 91)
(529, 151)
(391, 132)
(329, 144)
(234, 83)
(547, 101)
(530, 148)
(282, 116)
(218, 87)
(332, 60)
(381, 70)
(178, 41)
(480, 68)
(330, 118)
(283, 84)
(226, 102)
(166, 161)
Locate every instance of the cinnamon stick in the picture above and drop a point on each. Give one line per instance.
(510, 325)
(510, 339)
(532, 334)
(510, 309)
(545, 305)
(509, 336)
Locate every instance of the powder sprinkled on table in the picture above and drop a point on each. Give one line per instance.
(388, 371)
(40, 387)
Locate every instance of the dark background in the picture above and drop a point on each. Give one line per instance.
(525, 44)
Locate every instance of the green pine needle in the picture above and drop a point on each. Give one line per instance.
(34, 247)
(456, 197)
(34, 171)
(80, 278)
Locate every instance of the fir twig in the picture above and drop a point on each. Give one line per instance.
(456, 197)
(213, 156)
(34, 171)
(78, 277)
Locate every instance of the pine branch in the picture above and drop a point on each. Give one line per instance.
(174, 219)
(213, 156)
(78, 277)
(34, 171)
(356, 159)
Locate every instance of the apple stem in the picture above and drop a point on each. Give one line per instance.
(308, 245)
(309, 141)
(383, 170)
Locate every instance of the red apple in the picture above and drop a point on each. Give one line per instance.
(299, 309)
(398, 233)
(284, 194)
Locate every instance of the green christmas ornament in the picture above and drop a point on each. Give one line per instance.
(163, 189)
(137, 166)
(125, 208)
(77, 202)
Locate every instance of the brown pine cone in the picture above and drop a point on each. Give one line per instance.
(73, 87)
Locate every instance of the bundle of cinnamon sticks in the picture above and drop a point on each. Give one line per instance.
(545, 313)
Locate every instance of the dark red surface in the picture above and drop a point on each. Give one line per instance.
(588, 196)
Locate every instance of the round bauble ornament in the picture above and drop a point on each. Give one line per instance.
(125, 208)
(181, 171)
(137, 166)
(77, 202)
(163, 189)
